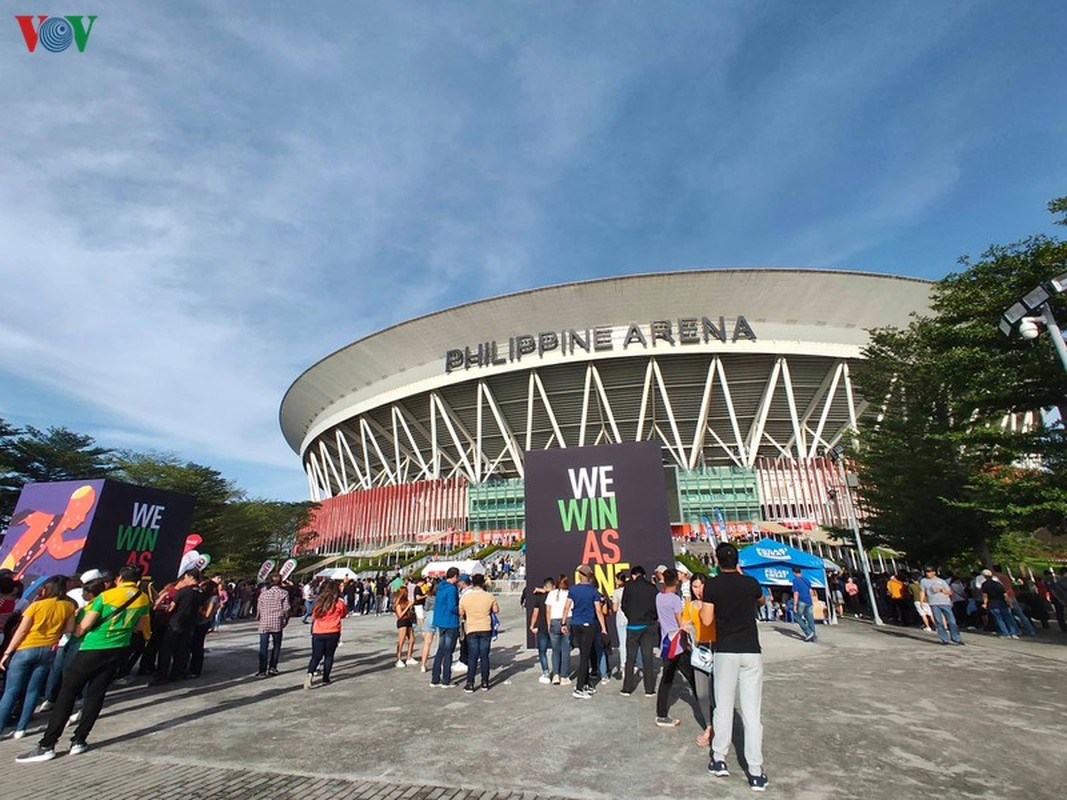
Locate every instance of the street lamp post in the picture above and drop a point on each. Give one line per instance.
(853, 520)
(1033, 311)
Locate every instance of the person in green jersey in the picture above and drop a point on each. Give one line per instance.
(105, 631)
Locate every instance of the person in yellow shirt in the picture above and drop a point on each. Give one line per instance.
(28, 657)
(896, 589)
(703, 637)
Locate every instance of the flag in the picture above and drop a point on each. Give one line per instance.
(705, 523)
(721, 522)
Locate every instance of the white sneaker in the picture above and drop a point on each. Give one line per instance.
(19, 734)
(75, 717)
(45, 707)
(422, 668)
(308, 680)
(564, 681)
(459, 668)
(399, 664)
(544, 679)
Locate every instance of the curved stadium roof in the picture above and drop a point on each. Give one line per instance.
(796, 311)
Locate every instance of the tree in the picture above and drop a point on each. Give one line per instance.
(57, 454)
(9, 481)
(255, 530)
(944, 468)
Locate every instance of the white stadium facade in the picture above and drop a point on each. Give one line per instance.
(416, 433)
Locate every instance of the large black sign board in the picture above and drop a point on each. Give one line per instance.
(139, 525)
(602, 506)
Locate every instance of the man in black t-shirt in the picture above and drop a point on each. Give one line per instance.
(730, 601)
(184, 611)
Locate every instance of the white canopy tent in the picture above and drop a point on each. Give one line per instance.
(336, 573)
(439, 568)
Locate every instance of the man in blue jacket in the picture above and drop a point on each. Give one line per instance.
(446, 620)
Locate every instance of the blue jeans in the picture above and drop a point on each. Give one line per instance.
(1005, 621)
(805, 618)
(27, 671)
(274, 647)
(543, 642)
(561, 649)
(1020, 616)
(478, 653)
(944, 618)
(442, 660)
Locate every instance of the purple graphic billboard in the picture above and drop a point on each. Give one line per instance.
(49, 529)
(66, 528)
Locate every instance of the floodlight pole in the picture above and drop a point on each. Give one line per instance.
(854, 522)
(1055, 332)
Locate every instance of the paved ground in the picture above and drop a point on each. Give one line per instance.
(864, 713)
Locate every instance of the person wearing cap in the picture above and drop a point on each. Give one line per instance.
(657, 577)
(585, 613)
(937, 594)
(996, 604)
(683, 578)
(103, 650)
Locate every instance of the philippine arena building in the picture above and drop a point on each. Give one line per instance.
(415, 435)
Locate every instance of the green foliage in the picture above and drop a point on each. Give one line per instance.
(692, 562)
(940, 474)
(167, 471)
(251, 531)
(239, 533)
(1059, 206)
(35, 456)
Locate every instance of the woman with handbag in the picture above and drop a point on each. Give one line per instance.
(675, 649)
(702, 658)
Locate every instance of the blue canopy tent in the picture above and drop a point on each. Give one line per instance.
(772, 563)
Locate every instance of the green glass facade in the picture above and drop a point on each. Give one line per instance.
(500, 504)
(732, 489)
(497, 505)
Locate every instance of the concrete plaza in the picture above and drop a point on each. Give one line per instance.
(863, 713)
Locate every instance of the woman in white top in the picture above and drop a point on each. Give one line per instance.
(555, 604)
(620, 619)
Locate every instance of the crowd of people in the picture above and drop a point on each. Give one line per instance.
(699, 625)
(944, 602)
(76, 636)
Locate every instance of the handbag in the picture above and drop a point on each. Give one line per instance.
(702, 658)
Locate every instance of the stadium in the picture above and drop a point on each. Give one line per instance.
(416, 434)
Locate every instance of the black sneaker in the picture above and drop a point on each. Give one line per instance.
(273, 671)
(260, 675)
(650, 694)
(757, 783)
(37, 754)
(484, 687)
(718, 769)
(469, 688)
(626, 692)
(77, 748)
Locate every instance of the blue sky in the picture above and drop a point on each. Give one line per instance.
(215, 195)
